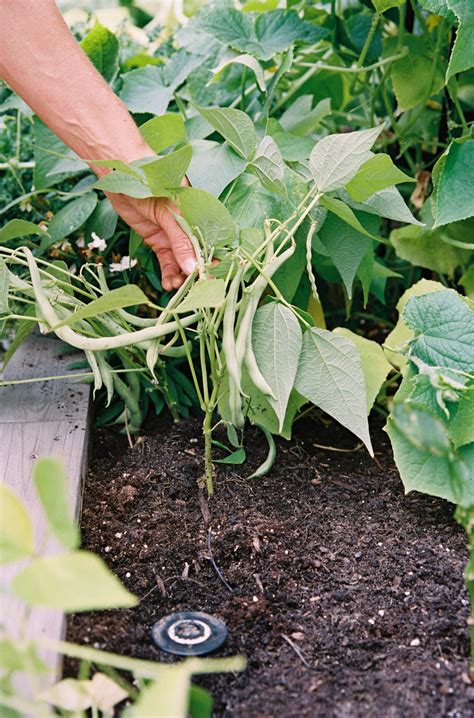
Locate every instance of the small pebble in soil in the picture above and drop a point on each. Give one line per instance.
(415, 642)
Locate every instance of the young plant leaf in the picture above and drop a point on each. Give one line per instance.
(426, 248)
(16, 531)
(235, 126)
(246, 60)
(277, 341)
(4, 286)
(301, 119)
(462, 55)
(128, 295)
(102, 47)
(373, 175)
(165, 174)
(336, 158)
(207, 216)
(344, 212)
(382, 5)
(330, 376)
(51, 485)
(72, 582)
(410, 74)
(145, 90)
(163, 131)
(123, 183)
(16, 228)
(387, 203)
(205, 294)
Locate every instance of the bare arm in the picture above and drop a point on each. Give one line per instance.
(42, 62)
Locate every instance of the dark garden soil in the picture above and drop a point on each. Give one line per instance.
(347, 597)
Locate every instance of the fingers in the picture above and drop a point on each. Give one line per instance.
(171, 275)
(179, 241)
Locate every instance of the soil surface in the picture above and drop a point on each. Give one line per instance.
(347, 596)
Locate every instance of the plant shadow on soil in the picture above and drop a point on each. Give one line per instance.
(326, 550)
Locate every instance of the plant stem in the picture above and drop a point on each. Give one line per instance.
(365, 50)
(208, 467)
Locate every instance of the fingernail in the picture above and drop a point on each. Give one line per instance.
(189, 265)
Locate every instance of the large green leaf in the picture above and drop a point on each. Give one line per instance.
(396, 341)
(387, 203)
(165, 174)
(144, 90)
(268, 165)
(54, 161)
(123, 183)
(51, 484)
(336, 158)
(16, 531)
(72, 582)
(163, 131)
(344, 212)
(246, 60)
(301, 118)
(235, 126)
(72, 216)
(102, 47)
(249, 203)
(206, 293)
(462, 55)
(444, 329)
(128, 295)
(276, 341)
(375, 174)
(419, 446)
(207, 216)
(4, 287)
(346, 246)
(330, 376)
(426, 248)
(213, 166)
(374, 363)
(455, 188)
(16, 228)
(102, 221)
(461, 426)
(382, 5)
(410, 74)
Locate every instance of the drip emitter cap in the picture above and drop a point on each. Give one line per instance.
(189, 633)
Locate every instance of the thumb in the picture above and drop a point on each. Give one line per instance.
(180, 243)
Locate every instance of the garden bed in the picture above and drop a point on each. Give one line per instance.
(347, 596)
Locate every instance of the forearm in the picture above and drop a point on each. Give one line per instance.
(43, 63)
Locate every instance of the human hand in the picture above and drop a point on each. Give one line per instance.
(153, 220)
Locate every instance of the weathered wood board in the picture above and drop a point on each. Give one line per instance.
(40, 419)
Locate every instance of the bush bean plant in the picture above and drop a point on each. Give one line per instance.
(330, 153)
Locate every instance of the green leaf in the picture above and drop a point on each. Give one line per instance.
(68, 694)
(410, 74)
(236, 457)
(72, 216)
(165, 698)
(375, 174)
(345, 245)
(301, 119)
(200, 702)
(375, 366)
(387, 203)
(461, 426)
(51, 154)
(16, 228)
(462, 55)
(102, 47)
(205, 294)
(277, 341)
(165, 174)
(16, 531)
(420, 468)
(249, 203)
(72, 582)
(278, 29)
(336, 158)
(103, 220)
(268, 165)
(401, 334)
(213, 166)
(51, 485)
(344, 212)
(426, 248)
(246, 60)
(207, 216)
(292, 147)
(382, 5)
(235, 126)
(422, 429)
(128, 295)
(467, 281)
(123, 183)
(164, 131)
(330, 376)
(444, 329)
(455, 188)
(145, 90)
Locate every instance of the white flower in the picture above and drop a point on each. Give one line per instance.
(97, 243)
(80, 242)
(125, 263)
